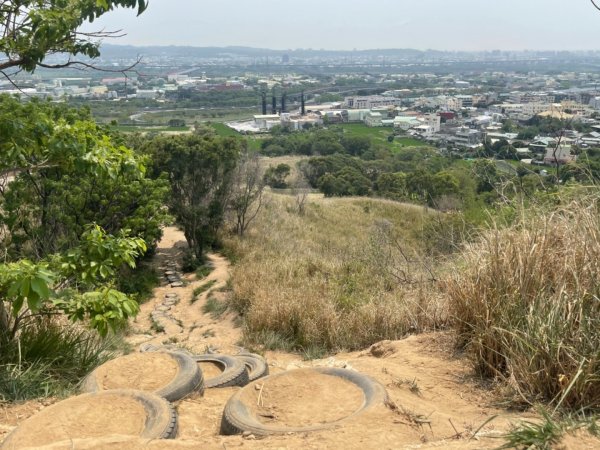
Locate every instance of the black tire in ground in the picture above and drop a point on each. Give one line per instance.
(160, 423)
(234, 371)
(237, 418)
(256, 365)
(189, 379)
(162, 420)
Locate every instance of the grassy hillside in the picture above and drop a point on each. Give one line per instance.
(379, 135)
(334, 277)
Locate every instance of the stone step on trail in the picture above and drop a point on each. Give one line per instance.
(169, 326)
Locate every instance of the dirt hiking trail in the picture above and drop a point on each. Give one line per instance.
(434, 400)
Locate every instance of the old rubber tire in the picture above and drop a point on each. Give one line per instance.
(160, 418)
(237, 419)
(188, 379)
(256, 365)
(234, 371)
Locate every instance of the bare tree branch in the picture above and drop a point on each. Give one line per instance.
(10, 80)
(83, 65)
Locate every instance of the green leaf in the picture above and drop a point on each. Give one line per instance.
(40, 287)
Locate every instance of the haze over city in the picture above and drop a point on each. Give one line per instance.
(352, 24)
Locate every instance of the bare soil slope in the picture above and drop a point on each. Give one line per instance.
(435, 402)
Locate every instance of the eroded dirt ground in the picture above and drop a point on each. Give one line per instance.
(434, 400)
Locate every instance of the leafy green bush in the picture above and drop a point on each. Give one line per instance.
(139, 282)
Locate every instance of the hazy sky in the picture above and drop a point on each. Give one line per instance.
(363, 24)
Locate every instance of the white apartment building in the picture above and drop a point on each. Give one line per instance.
(433, 121)
(532, 109)
(531, 97)
(370, 102)
(374, 119)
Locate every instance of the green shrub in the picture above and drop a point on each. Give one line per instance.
(203, 271)
(526, 304)
(190, 262)
(139, 282)
(49, 359)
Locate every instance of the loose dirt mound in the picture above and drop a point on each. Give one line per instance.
(144, 371)
(85, 416)
(302, 398)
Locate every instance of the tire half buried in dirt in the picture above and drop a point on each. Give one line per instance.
(122, 412)
(171, 375)
(359, 390)
(234, 371)
(256, 365)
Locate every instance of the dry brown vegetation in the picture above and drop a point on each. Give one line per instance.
(524, 298)
(526, 304)
(343, 275)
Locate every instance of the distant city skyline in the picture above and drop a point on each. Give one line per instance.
(468, 25)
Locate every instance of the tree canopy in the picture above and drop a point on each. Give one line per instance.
(32, 29)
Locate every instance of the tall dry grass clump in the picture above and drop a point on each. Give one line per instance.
(315, 281)
(526, 303)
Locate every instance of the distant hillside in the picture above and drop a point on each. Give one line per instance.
(111, 51)
(124, 51)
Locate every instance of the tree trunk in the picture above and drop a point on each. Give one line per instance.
(4, 324)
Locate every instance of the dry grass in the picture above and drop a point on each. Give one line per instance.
(315, 281)
(526, 303)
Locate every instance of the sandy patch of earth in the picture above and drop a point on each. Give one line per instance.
(143, 371)
(300, 398)
(210, 370)
(81, 417)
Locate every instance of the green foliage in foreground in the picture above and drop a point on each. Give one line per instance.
(76, 283)
(70, 180)
(49, 360)
(139, 282)
(547, 433)
(33, 29)
(68, 174)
